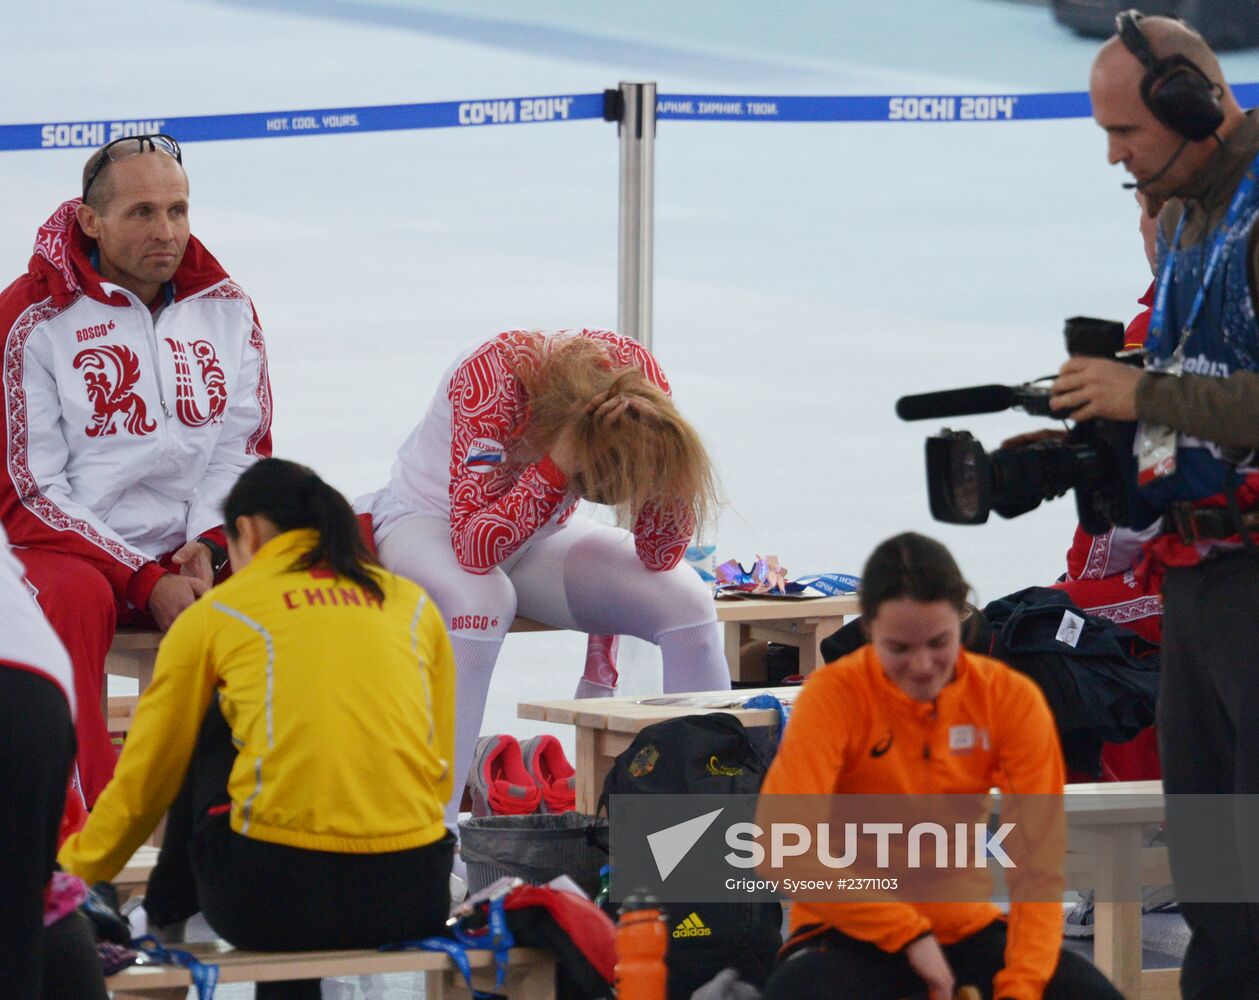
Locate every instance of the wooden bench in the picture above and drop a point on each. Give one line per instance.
(1106, 853)
(530, 972)
(607, 726)
(120, 712)
(753, 622)
(132, 654)
(134, 877)
(1107, 822)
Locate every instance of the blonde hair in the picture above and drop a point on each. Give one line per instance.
(643, 458)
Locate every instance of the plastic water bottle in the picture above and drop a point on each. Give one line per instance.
(605, 887)
(642, 940)
(701, 556)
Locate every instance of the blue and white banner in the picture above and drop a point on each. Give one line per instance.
(564, 108)
(311, 121)
(900, 108)
(893, 108)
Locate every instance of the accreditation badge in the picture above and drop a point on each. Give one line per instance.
(1155, 448)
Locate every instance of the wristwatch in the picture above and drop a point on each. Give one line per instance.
(218, 554)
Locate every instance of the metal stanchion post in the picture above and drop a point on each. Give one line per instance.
(636, 118)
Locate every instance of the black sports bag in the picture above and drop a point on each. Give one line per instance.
(703, 755)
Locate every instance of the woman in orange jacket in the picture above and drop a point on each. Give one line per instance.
(914, 713)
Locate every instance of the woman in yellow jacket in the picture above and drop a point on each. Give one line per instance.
(299, 727)
(915, 714)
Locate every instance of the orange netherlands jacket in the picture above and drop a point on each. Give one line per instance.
(852, 731)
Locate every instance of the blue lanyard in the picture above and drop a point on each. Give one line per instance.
(204, 976)
(830, 584)
(767, 700)
(497, 937)
(1219, 243)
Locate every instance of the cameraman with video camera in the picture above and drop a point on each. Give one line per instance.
(1171, 120)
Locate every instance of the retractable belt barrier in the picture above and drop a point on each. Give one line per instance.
(897, 108)
(564, 108)
(311, 121)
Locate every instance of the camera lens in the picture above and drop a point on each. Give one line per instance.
(959, 478)
(965, 479)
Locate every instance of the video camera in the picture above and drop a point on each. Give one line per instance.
(965, 483)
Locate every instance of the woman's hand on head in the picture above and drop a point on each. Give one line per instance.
(608, 411)
(604, 412)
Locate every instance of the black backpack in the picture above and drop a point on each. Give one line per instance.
(705, 755)
(1100, 690)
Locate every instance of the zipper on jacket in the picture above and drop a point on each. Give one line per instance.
(157, 360)
(157, 366)
(151, 326)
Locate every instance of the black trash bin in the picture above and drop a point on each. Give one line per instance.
(536, 848)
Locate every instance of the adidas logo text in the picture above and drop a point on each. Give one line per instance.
(692, 926)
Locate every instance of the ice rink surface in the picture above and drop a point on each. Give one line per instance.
(806, 274)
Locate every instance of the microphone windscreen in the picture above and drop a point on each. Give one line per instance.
(955, 402)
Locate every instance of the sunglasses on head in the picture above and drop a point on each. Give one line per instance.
(129, 146)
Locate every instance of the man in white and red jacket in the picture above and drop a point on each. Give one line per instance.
(135, 392)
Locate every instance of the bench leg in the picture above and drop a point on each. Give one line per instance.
(811, 636)
(533, 982)
(745, 658)
(811, 648)
(1117, 925)
(589, 784)
(537, 982)
(438, 985)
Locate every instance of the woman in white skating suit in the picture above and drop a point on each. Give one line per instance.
(479, 508)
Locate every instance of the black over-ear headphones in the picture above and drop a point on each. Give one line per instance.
(1178, 93)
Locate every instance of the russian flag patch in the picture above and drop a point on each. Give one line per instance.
(484, 455)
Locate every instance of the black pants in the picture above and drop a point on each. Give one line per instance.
(269, 897)
(36, 753)
(834, 966)
(1208, 738)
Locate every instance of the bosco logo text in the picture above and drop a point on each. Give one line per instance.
(472, 623)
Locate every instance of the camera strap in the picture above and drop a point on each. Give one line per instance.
(1219, 246)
